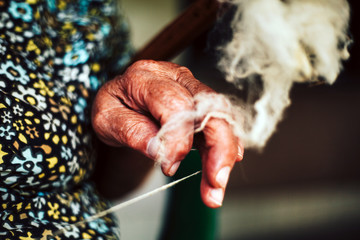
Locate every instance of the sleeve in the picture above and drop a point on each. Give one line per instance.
(118, 46)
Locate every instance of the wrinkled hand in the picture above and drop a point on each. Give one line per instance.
(130, 109)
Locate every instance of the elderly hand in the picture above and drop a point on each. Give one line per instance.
(130, 110)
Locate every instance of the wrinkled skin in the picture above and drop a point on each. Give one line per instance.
(129, 110)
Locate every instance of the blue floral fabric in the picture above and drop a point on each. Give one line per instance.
(54, 55)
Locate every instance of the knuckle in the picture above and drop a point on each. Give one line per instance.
(184, 70)
(144, 64)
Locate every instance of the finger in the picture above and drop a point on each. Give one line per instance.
(121, 126)
(219, 154)
(220, 148)
(149, 89)
(168, 102)
(117, 125)
(240, 153)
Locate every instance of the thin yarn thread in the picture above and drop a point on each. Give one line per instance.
(123, 204)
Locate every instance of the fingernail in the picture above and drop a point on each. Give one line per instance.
(217, 196)
(174, 168)
(153, 147)
(240, 153)
(223, 176)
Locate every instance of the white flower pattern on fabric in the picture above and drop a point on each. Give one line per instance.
(28, 162)
(14, 72)
(51, 123)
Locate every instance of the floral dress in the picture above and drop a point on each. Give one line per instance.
(54, 55)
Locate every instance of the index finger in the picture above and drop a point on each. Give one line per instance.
(151, 87)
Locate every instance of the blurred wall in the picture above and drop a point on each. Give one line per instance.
(148, 17)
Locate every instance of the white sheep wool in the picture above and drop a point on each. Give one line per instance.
(283, 42)
(280, 42)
